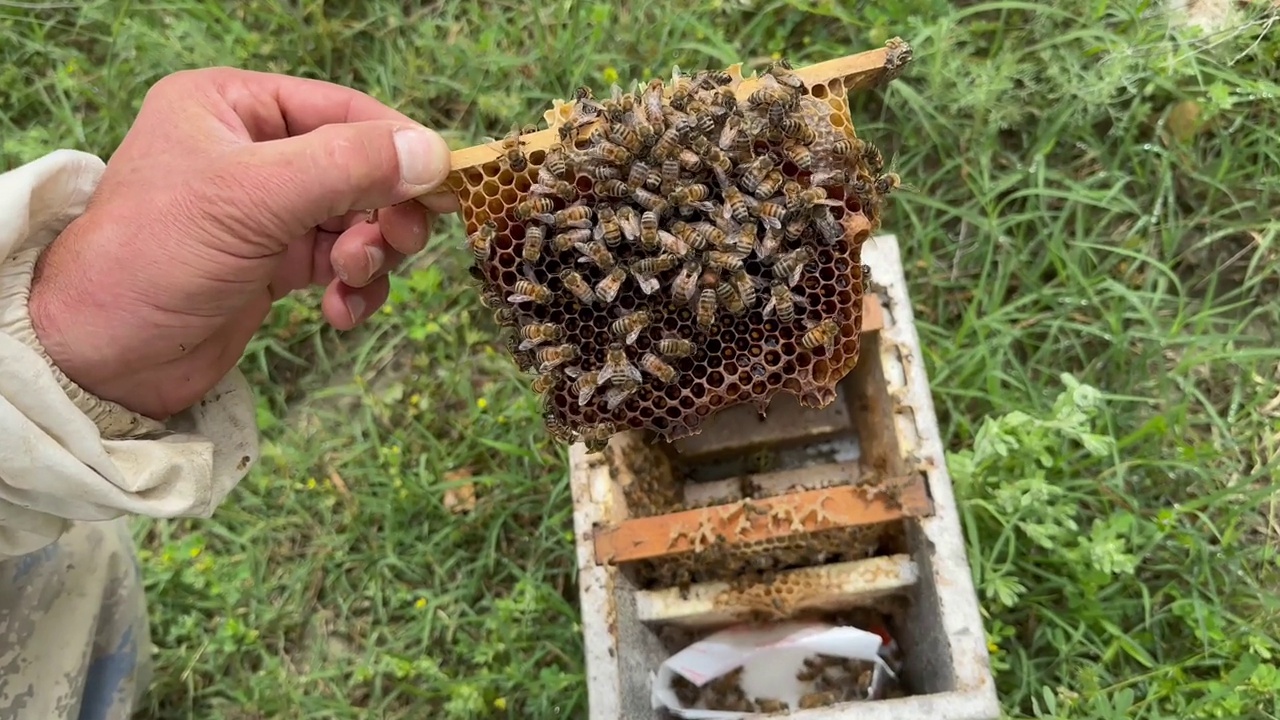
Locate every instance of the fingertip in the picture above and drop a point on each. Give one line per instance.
(440, 202)
(405, 227)
(345, 307)
(423, 156)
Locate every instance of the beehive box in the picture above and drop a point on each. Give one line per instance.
(857, 505)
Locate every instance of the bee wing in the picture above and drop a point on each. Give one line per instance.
(546, 218)
(771, 221)
(647, 283)
(529, 343)
(705, 206)
(606, 374)
(583, 224)
(584, 394)
(630, 226)
(769, 307)
(672, 244)
(518, 298)
(632, 372)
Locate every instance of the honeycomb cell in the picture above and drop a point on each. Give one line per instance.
(746, 357)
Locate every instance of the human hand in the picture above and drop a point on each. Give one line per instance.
(232, 189)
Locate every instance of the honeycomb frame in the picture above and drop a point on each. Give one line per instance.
(744, 358)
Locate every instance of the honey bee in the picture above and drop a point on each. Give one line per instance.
(607, 227)
(692, 196)
(689, 236)
(596, 437)
(834, 176)
(534, 238)
(771, 705)
(644, 270)
(542, 384)
(686, 281)
(681, 88)
(596, 252)
(628, 327)
(796, 128)
(654, 365)
(782, 301)
(672, 244)
(887, 183)
(618, 104)
(628, 222)
(649, 230)
(789, 266)
(584, 384)
(651, 102)
(822, 334)
(504, 316)
(574, 216)
(600, 171)
(746, 287)
(729, 133)
(697, 235)
(816, 700)
(689, 160)
(535, 334)
(610, 152)
(650, 201)
(776, 114)
(799, 154)
(626, 137)
(613, 188)
(772, 213)
(670, 175)
(707, 307)
(795, 228)
(618, 393)
(719, 162)
(781, 70)
(534, 206)
(555, 163)
(480, 242)
(729, 299)
(674, 347)
(771, 92)
(553, 357)
(577, 286)
(513, 148)
(847, 147)
(616, 365)
(769, 185)
(813, 196)
(872, 158)
(530, 291)
(638, 175)
(607, 289)
(828, 227)
(668, 144)
(723, 260)
(741, 241)
(769, 243)
(555, 186)
(735, 205)
(754, 172)
(570, 239)
(811, 669)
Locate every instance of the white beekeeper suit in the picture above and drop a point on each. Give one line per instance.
(74, 643)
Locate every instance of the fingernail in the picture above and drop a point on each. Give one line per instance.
(375, 257)
(423, 156)
(355, 306)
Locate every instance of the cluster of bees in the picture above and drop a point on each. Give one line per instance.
(667, 225)
(829, 679)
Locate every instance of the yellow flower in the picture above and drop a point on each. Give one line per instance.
(482, 403)
(311, 483)
(992, 647)
(195, 551)
(776, 55)
(386, 309)
(420, 603)
(500, 703)
(414, 399)
(611, 74)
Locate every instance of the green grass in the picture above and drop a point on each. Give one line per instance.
(1061, 219)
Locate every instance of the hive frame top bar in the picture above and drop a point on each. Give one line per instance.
(863, 70)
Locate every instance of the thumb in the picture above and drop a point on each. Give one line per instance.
(338, 168)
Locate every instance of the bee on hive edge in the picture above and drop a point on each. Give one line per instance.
(481, 241)
(616, 365)
(513, 147)
(822, 334)
(544, 383)
(887, 183)
(596, 437)
(553, 357)
(537, 333)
